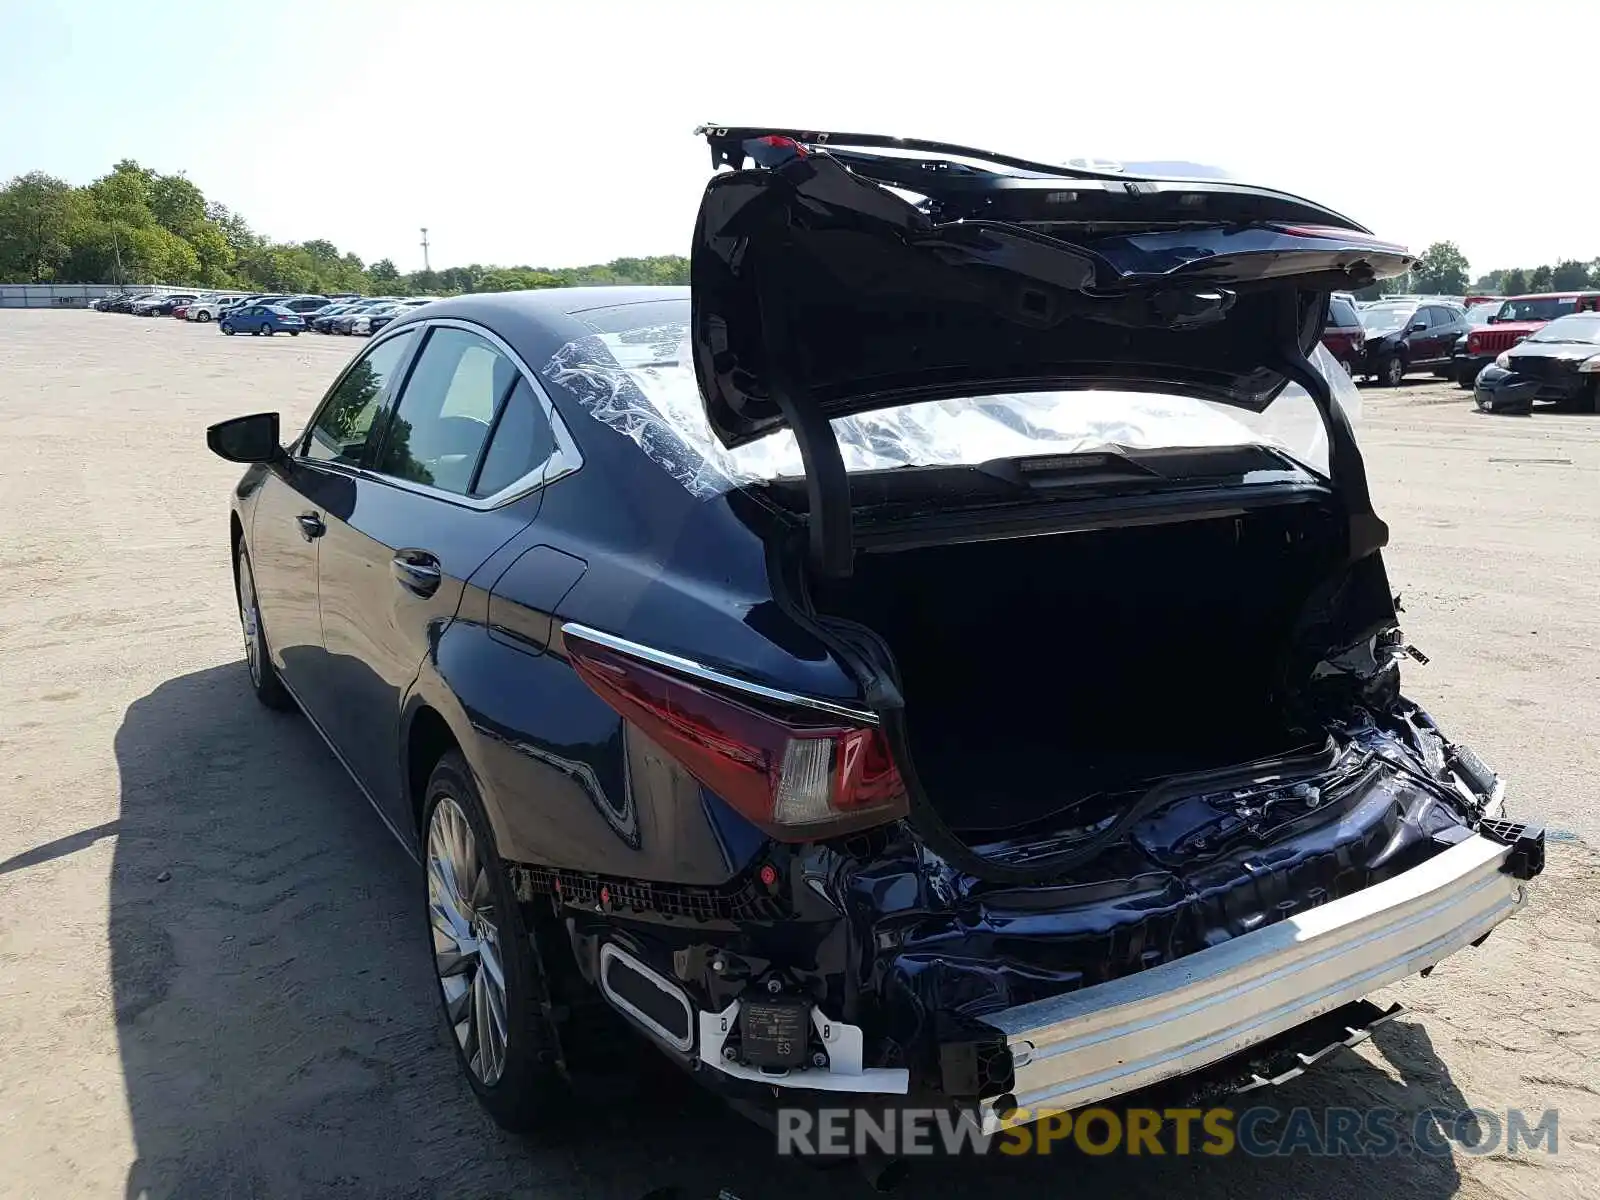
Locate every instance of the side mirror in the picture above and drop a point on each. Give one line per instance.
(1419, 326)
(252, 439)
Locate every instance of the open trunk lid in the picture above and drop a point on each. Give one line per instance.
(845, 273)
(819, 286)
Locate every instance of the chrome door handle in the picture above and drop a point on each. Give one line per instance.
(311, 526)
(417, 571)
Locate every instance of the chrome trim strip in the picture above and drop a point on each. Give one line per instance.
(563, 460)
(1114, 1038)
(662, 658)
(609, 951)
(354, 778)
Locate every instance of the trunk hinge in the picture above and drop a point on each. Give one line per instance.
(829, 522)
(1367, 531)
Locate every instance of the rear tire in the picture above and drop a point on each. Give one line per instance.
(202, 316)
(474, 925)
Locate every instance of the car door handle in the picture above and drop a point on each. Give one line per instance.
(311, 526)
(417, 571)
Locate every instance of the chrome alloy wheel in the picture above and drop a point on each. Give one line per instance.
(250, 620)
(466, 947)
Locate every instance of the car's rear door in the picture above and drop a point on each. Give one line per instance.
(432, 508)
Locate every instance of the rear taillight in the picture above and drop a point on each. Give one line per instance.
(798, 773)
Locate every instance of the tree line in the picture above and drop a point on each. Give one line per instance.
(1442, 270)
(135, 225)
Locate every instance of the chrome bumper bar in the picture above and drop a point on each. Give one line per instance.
(1072, 1050)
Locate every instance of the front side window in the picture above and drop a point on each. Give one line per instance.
(343, 427)
(440, 427)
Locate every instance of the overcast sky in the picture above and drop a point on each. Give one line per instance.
(559, 134)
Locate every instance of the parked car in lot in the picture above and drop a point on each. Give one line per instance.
(345, 322)
(373, 320)
(1344, 335)
(319, 320)
(1462, 369)
(303, 306)
(159, 304)
(1406, 336)
(125, 302)
(208, 308)
(1515, 318)
(902, 768)
(1559, 363)
(262, 318)
(360, 323)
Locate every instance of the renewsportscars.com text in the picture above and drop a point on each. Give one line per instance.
(1259, 1132)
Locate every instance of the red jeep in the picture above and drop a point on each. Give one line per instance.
(1517, 318)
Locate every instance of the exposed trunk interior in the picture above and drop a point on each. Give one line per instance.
(1041, 670)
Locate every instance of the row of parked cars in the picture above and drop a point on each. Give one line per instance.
(266, 313)
(1450, 337)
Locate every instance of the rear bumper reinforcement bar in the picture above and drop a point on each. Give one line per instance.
(1114, 1038)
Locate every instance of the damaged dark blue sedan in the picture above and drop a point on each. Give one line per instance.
(944, 655)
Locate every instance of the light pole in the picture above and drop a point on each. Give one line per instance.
(425, 265)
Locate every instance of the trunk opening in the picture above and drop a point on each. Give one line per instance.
(1040, 671)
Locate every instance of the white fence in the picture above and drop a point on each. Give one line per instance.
(64, 295)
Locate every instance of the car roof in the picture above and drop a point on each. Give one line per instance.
(1552, 295)
(539, 321)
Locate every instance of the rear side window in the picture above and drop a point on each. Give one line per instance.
(442, 423)
(523, 441)
(1342, 313)
(343, 427)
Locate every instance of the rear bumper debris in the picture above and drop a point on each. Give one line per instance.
(1178, 1017)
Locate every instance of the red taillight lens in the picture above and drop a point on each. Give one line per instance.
(797, 773)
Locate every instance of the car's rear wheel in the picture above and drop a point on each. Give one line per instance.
(1392, 371)
(264, 679)
(202, 316)
(491, 985)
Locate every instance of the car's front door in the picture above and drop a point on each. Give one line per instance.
(427, 514)
(300, 496)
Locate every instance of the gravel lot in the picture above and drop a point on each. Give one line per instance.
(211, 976)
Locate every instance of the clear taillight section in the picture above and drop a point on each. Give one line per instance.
(797, 773)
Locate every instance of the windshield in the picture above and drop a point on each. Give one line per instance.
(638, 379)
(1581, 327)
(1537, 308)
(1387, 318)
(1481, 314)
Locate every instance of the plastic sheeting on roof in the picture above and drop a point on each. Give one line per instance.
(640, 383)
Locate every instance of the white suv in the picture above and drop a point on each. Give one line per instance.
(211, 308)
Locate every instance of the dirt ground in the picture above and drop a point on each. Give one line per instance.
(211, 975)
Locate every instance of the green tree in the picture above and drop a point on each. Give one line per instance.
(1514, 282)
(1442, 270)
(1569, 275)
(383, 273)
(36, 217)
(1539, 279)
